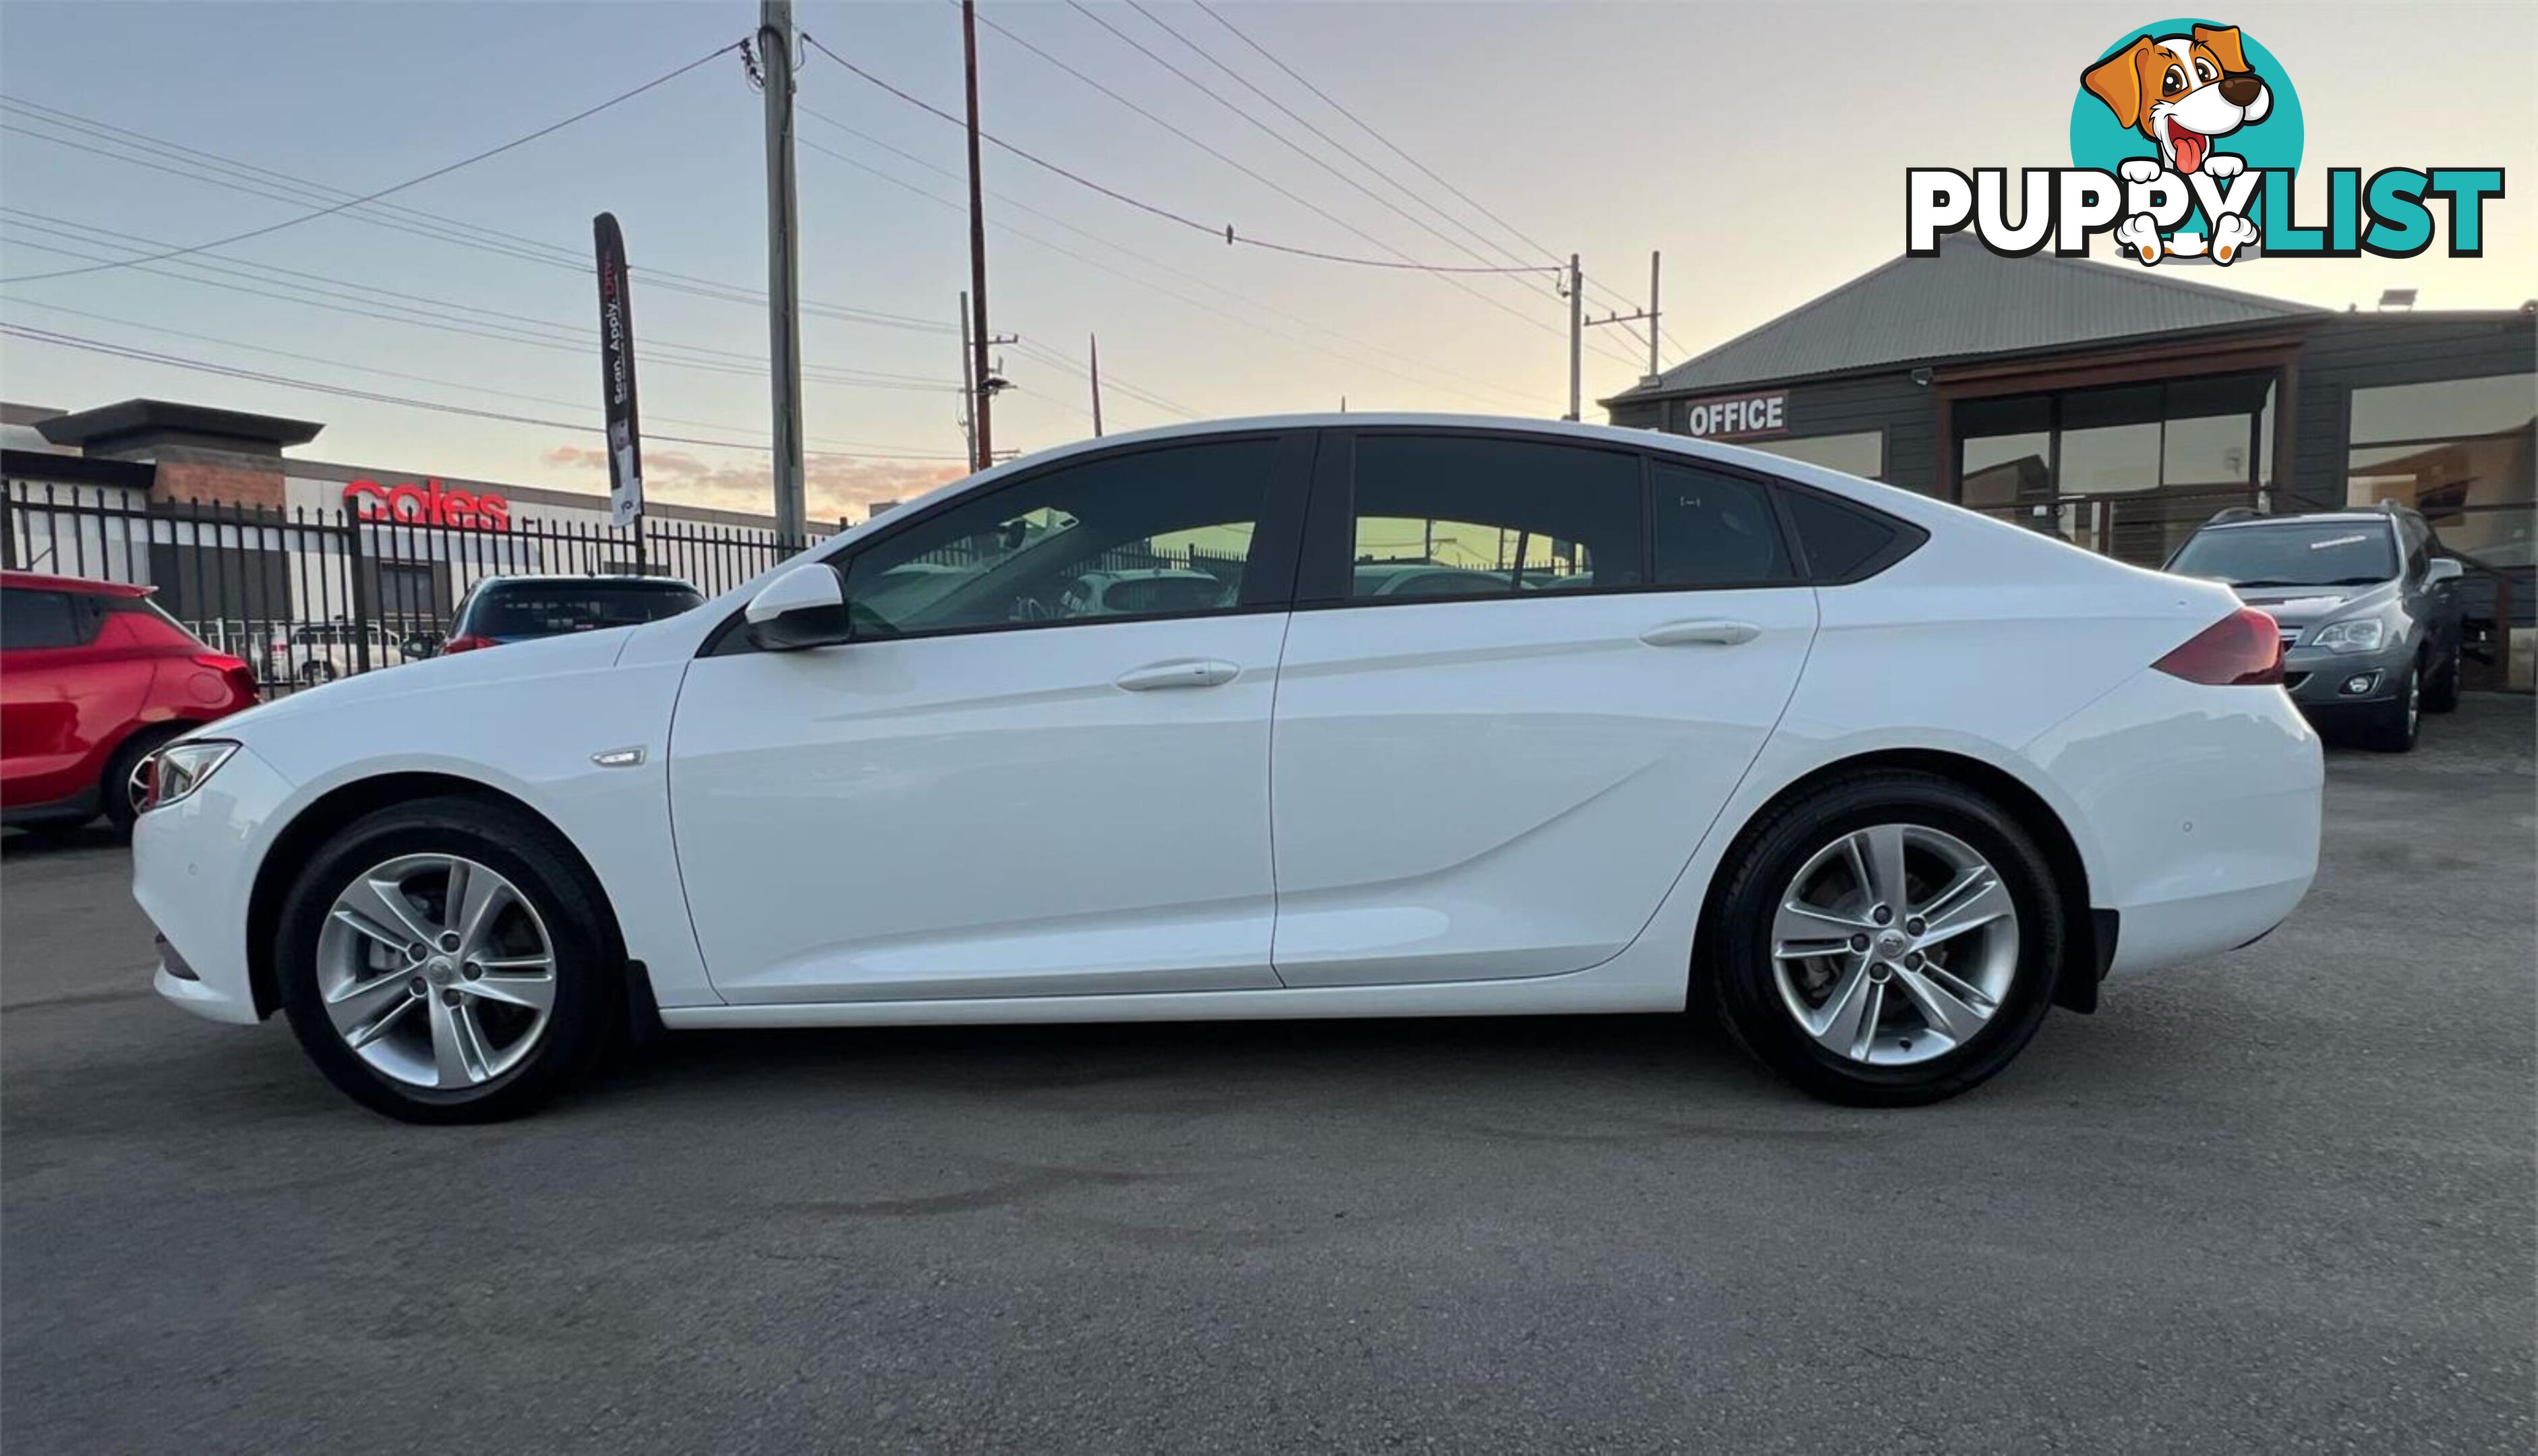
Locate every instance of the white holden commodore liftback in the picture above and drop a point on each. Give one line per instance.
(1340, 715)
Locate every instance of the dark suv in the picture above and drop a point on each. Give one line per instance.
(2368, 608)
(511, 608)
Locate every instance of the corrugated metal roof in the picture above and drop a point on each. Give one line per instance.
(1968, 301)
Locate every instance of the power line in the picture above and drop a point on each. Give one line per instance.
(1226, 233)
(1152, 262)
(1095, 263)
(246, 177)
(1283, 140)
(439, 171)
(1363, 125)
(557, 335)
(145, 356)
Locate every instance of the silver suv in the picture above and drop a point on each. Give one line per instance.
(2370, 611)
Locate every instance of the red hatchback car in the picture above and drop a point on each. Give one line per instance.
(93, 679)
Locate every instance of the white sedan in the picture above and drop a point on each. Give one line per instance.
(1878, 779)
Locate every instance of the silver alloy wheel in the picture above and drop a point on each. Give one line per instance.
(1895, 944)
(2414, 701)
(436, 971)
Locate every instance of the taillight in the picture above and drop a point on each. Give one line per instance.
(2242, 649)
(466, 643)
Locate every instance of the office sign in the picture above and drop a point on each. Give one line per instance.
(1744, 417)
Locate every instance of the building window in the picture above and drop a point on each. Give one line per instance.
(2459, 450)
(1862, 454)
(2129, 470)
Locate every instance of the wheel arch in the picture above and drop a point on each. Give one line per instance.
(2091, 932)
(340, 806)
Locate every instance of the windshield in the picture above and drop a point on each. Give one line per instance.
(2291, 554)
(539, 610)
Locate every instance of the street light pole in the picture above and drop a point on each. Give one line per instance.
(981, 407)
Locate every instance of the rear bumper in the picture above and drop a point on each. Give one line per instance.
(2204, 808)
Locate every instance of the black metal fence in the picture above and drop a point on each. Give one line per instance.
(306, 596)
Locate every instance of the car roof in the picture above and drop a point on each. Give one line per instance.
(2346, 517)
(589, 578)
(40, 581)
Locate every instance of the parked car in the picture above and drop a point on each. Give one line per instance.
(516, 609)
(315, 652)
(1878, 779)
(1152, 589)
(93, 679)
(2370, 616)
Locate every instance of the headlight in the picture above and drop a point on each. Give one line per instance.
(2364, 634)
(181, 768)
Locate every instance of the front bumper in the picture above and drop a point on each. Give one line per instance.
(2324, 682)
(193, 873)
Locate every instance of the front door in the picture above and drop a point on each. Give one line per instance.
(1040, 768)
(1522, 679)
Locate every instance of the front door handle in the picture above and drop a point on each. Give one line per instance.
(1187, 672)
(1707, 633)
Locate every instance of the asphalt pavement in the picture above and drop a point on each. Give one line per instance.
(2287, 1199)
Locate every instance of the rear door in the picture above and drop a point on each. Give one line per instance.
(64, 695)
(1475, 786)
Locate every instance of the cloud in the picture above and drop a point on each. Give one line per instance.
(836, 484)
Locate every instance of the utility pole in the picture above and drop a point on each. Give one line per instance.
(968, 389)
(979, 335)
(1092, 343)
(1576, 338)
(783, 269)
(1648, 314)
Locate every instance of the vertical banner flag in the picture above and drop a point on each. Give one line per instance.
(617, 375)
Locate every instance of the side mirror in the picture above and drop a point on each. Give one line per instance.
(421, 644)
(806, 607)
(2443, 568)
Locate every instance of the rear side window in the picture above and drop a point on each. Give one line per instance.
(537, 611)
(1715, 530)
(41, 619)
(1465, 516)
(1839, 542)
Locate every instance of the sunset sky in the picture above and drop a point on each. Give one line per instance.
(1761, 147)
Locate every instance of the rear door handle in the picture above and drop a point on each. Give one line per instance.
(1187, 672)
(1707, 633)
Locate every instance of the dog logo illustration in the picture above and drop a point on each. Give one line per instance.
(2186, 141)
(2184, 93)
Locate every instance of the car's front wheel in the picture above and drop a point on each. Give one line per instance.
(449, 961)
(2442, 693)
(2393, 725)
(1886, 939)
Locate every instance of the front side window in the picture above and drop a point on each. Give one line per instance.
(1466, 516)
(1159, 532)
(40, 618)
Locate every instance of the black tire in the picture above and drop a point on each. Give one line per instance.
(1736, 952)
(589, 994)
(2393, 726)
(113, 787)
(2441, 691)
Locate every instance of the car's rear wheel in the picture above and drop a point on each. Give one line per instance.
(126, 786)
(449, 961)
(1887, 939)
(2393, 726)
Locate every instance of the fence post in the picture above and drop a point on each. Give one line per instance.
(361, 611)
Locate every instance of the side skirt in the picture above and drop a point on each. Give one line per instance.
(1579, 993)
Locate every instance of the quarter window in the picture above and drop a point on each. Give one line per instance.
(1837, 539)
(1166, 531)
(1715, 530)
(1464, 516)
